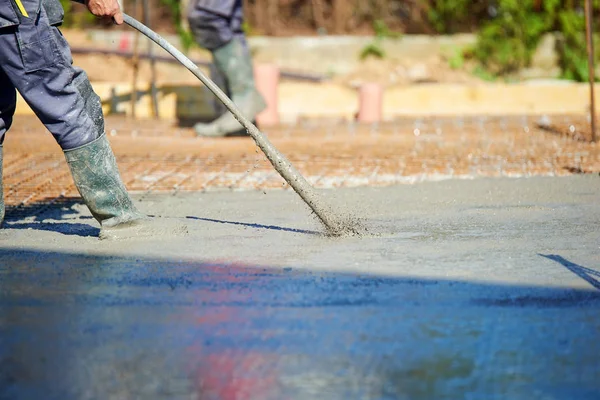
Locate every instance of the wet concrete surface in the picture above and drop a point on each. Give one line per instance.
(476, 289)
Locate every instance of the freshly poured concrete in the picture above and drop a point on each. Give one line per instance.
(464, 289)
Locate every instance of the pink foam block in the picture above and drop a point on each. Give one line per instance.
(370, 103)
(267, 83)
(125, 42)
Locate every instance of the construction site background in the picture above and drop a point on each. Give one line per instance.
(507, 33)
(440, 116)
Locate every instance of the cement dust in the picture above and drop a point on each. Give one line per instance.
(362, 228)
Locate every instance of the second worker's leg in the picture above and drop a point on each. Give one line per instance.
(225, 38)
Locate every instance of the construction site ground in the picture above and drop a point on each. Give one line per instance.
(478, 278)
(159, 157)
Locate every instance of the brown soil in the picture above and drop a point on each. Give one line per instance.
(159, 157)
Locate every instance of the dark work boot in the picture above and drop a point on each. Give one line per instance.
(1, 191)
(234, 62)
(97, 178)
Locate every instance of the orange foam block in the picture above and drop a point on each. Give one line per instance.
(125, 42)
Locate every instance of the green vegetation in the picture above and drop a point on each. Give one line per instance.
(447, 15)
(185, 36)
(508, 42)
(75, 20)
(508, 31)
(484, 74)
(248, 29)
(572, 46)
(375, 48)
(457, 59)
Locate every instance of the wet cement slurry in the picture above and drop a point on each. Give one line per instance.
(483, 289)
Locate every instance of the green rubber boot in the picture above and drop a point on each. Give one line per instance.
(1, 191)
(234, 62)
(99, 183)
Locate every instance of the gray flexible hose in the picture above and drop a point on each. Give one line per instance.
(283, 166)
(335, 225)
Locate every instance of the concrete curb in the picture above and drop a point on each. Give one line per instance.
(300, 100)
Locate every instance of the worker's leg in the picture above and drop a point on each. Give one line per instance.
(1, 189)
(219, 29)
(210, 22)
(37, 61)
(8, 103)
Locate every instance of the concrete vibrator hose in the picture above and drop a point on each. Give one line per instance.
(336, 225)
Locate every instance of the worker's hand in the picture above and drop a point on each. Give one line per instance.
(106, 8)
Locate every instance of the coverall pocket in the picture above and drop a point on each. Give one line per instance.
(38, 55)
(36, 44)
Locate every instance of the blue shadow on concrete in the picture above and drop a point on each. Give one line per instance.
(76, 326)
(65, 228)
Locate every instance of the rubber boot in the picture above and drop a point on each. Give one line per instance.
(235, 63)
(99, 183)
(1, 191)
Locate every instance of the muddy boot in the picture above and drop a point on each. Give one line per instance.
(235, 63)
(97, 178)
(1, 191)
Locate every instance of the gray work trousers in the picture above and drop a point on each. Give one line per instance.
(215, 23)
(36, 60)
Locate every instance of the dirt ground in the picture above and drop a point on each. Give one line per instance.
(159, 157)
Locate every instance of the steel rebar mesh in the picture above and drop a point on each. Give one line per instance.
(160, 158)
